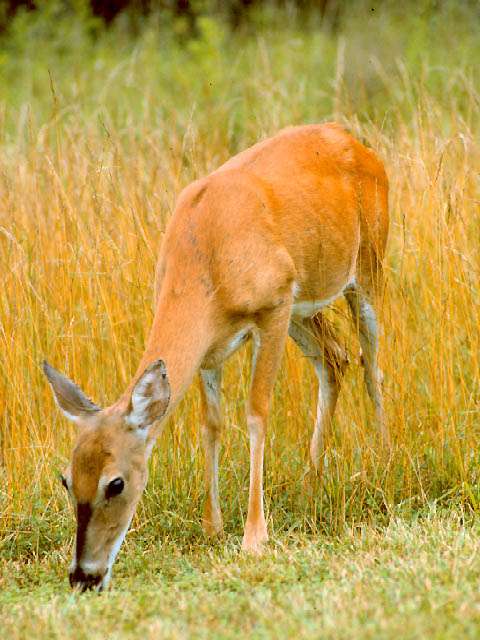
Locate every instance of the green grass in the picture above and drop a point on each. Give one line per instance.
(410, 580)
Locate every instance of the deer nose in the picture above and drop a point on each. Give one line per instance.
(85, 581)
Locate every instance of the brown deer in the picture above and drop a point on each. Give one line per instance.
(256, 249)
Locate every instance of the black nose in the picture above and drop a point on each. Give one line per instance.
(84, 581)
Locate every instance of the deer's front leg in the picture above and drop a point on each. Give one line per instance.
(211, 431)
(268, 352)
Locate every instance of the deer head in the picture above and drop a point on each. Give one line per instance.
(108, 469)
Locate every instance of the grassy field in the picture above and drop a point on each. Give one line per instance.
(97, 139)
(409, 581)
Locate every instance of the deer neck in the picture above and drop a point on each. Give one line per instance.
(181, 335)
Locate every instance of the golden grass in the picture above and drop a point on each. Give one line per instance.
(83, 205)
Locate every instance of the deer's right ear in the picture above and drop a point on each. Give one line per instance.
(68, 396)
(150, 396)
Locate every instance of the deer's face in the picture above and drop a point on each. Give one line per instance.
(108, 469)
(105, 480)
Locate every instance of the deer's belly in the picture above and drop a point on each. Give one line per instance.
(302, 308)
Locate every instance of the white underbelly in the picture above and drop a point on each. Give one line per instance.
(308, 308)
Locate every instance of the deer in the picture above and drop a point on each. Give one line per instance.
(256, 250)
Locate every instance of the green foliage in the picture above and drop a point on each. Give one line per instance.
(59, 59)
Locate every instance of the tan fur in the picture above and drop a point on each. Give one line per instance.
(305, 210)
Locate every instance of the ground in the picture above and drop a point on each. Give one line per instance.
(409, 580)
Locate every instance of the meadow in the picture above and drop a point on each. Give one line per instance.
(98, 136)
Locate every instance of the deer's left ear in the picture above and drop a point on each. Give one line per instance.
(150, 396)
(70, 398)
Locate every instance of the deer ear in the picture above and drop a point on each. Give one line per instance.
(150, 396)
(68, 396)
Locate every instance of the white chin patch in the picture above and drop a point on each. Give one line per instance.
(113, 554)
(106, 580)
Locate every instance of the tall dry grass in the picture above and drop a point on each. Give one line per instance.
(85, 194)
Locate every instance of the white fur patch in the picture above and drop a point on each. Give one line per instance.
(367, 313)
(90, 567)
(140, 415)
(236, 342)
(308, 308)
(324, 389)
(113, 554)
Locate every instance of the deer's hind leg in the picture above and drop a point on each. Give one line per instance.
(211, 430)
(317, 340)
(365, 319)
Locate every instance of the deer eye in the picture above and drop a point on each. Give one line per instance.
(63, 480)
(114, 488)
